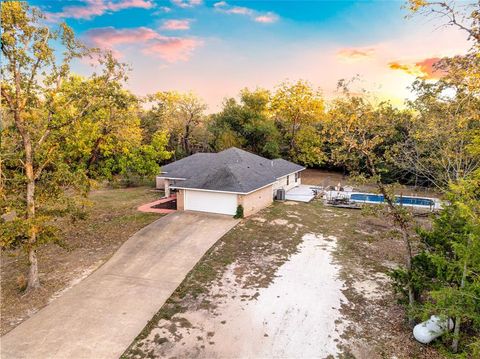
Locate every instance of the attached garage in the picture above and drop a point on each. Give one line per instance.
(213, 202)
(219, 182)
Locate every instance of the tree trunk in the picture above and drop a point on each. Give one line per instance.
(33, 280)
(292, 140)
(408, 260)
(456, 331)
(95, 153)
(293, 144)
(96, 148)
(456, 334)
(186, 140)
(399, 221)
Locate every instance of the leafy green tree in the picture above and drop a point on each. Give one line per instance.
(437, 144)
(32, 79)
(446, 273)
(59, 131)
(447, 270)
(109, 135)
(143, 161)
(382, 125)
(247, 124)
(224, 137)
(295, 106)
(361, 134)
(445, 121)
(310, 147)
(183, 116)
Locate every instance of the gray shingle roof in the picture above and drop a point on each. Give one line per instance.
(283, 167)
(232, 170)
(187, 167)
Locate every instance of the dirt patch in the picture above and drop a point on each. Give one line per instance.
(280, 320)
(280, 222)
(322, 177)
(111, 220)
(367, 250)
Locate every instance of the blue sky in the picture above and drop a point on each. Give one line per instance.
(216, 48)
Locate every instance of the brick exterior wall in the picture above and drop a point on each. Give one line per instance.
(180, 200)
(255, 201)
(282, 182)
(159, 182)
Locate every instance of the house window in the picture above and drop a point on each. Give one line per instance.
(288, 180)
(296, 177)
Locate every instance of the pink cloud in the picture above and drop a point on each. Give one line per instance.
(94, 8)
(107, 37)
(176, 25)
(170, 49)
(267, 18)
(239, 10)
(186, 3)
(429, 68)
(424, 69)
(355, 54)
(125, 4)
(264, 18)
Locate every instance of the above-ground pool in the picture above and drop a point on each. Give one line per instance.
(378, 198)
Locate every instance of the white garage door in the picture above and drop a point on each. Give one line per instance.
(215, 202)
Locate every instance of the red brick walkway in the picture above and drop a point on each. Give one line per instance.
(148, 207)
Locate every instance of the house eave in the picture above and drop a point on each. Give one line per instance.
(214, 190)
(291, 173)
(172, 178)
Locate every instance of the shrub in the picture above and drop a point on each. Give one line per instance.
(239, 213)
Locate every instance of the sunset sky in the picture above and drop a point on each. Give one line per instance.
(216, 48)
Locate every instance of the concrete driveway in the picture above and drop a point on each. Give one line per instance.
(100, 317)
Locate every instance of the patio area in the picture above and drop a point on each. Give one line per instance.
(164, 205)
(301, 193)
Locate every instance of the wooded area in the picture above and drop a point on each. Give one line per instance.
(63, 134)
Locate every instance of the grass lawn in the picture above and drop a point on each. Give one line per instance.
(88, 243)
(373, 323)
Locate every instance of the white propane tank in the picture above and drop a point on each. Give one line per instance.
(431, 329)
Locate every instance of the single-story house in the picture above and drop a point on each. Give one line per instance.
(219, 182)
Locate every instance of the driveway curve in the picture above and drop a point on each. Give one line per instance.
(100, 317)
